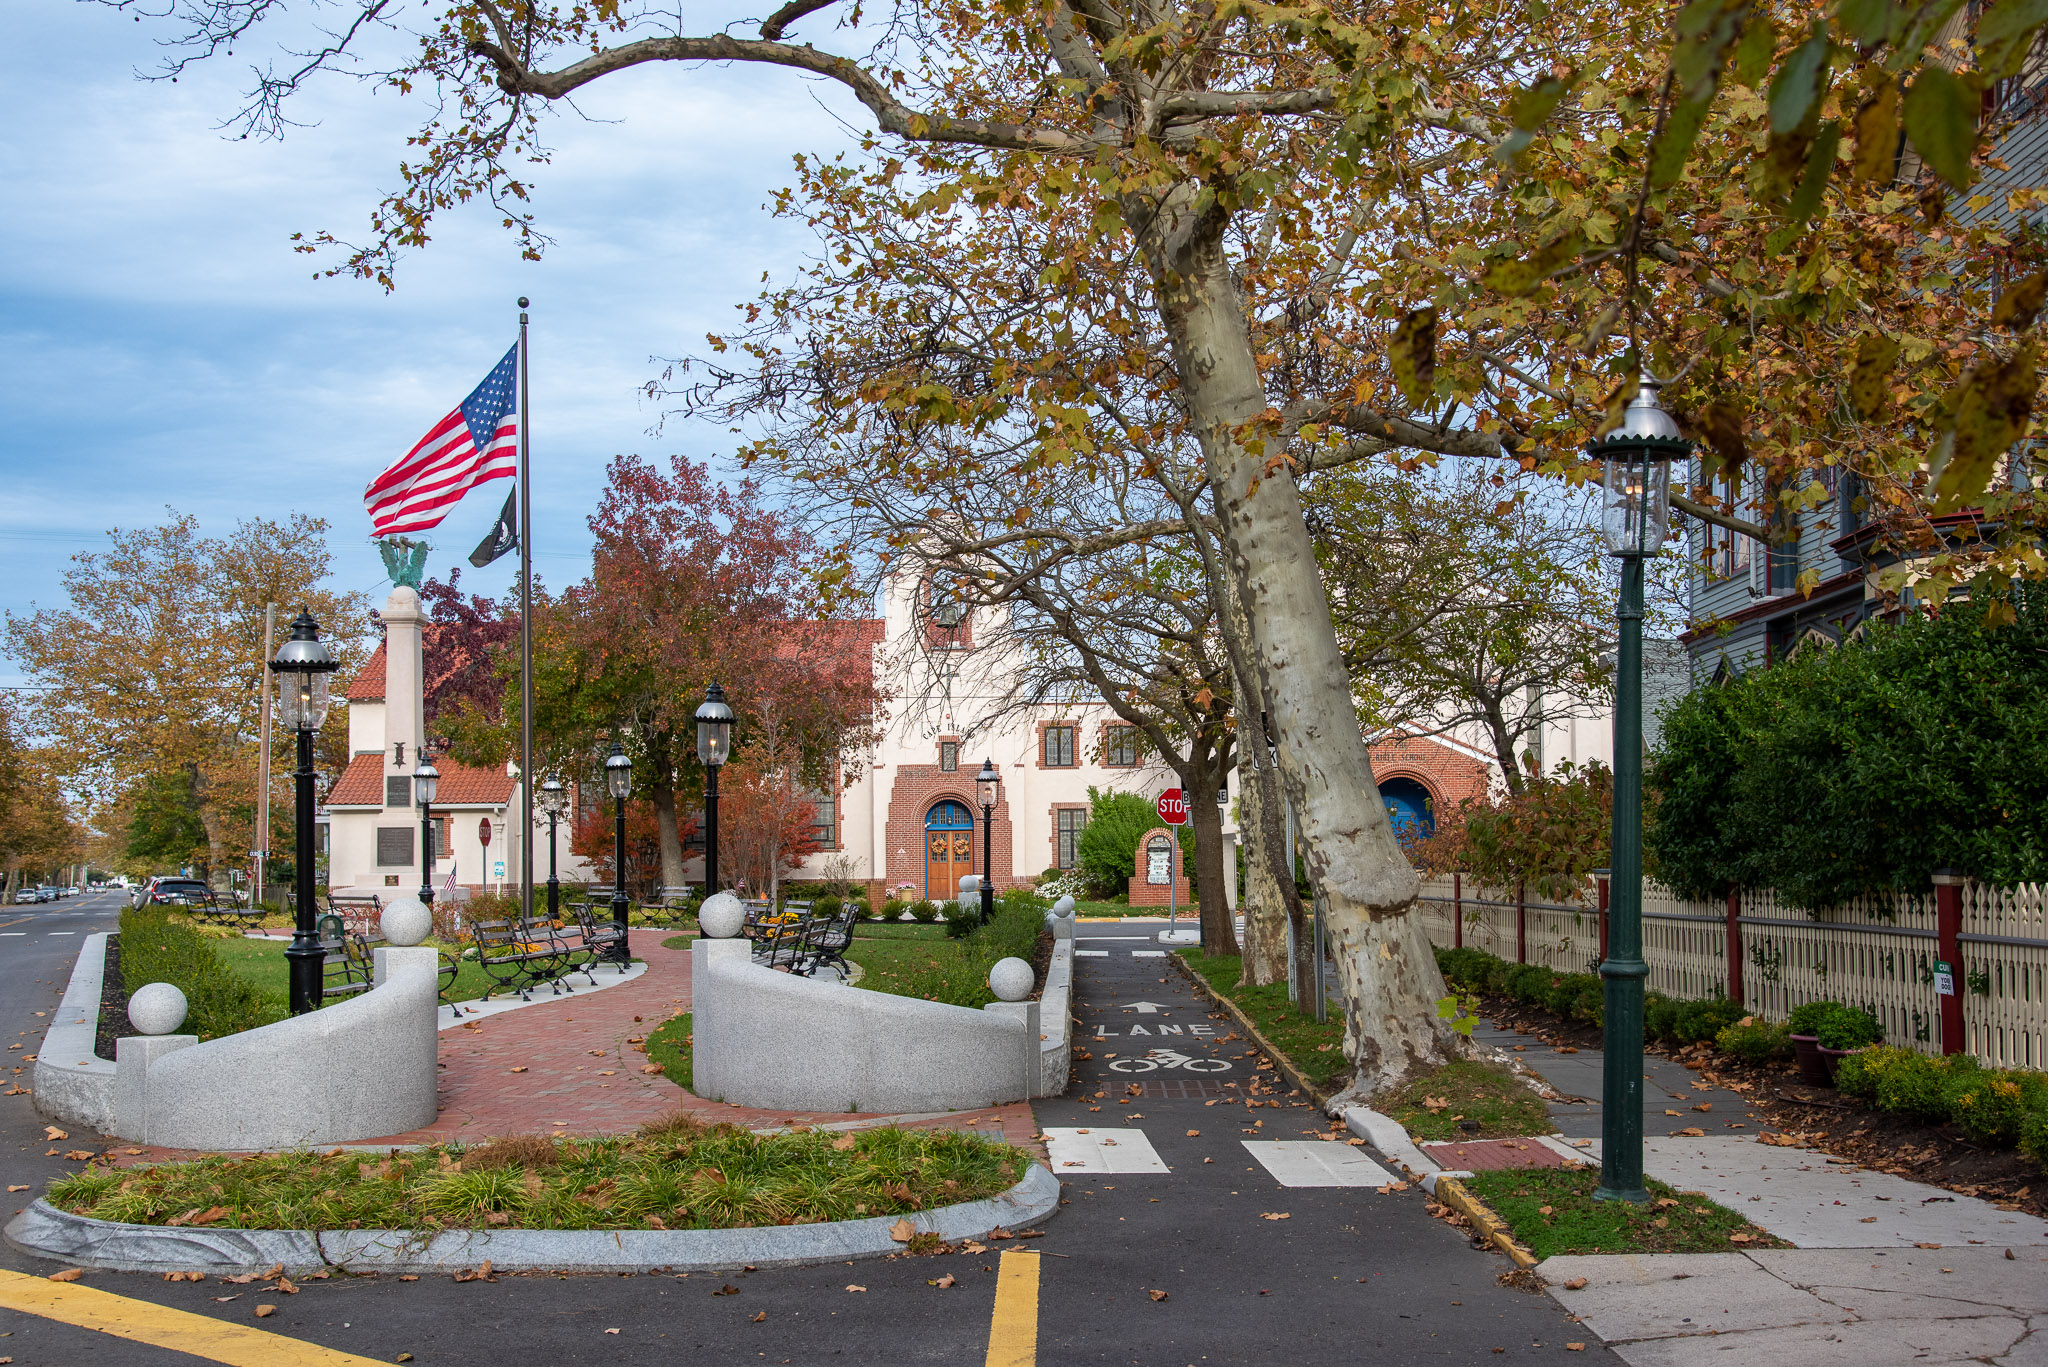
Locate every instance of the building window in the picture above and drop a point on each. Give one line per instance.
(1059, 747)
(438, 827)
(1121, 749)
(1072, 821)
(827, 829)
(394, 847)
(949, 756)
(1734, 551)
(398, 790)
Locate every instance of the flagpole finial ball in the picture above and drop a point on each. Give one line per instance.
(406, 922)
(522, 301)
(1011, 979)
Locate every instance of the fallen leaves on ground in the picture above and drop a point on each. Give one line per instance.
(197, 1217)
(942, 1283)
(760, 1316)
(1575, 1347)
(265, 1311)
(1690, 1132)
(1434, 1104)
(1194, 1134)
(1157, 1295)
(1576, 1284)
(69, 1274)
(727, 1290)
(1927, 1245)
(902, 1231)
(79, 1156)
(1275, 1215)
(20, 1188)
(53, 1134)
(519, 1070)
(843, 1143)
(184, 1276)
(851, 1287)
(481, 1274)
(650, 1067)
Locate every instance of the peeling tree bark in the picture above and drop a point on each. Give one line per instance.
(1265, 909)
(1384, 963)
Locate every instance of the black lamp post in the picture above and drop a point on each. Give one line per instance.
(991, 783)
(426, 780)
(714, 743)
(302, 665)
(1635, 517)
(554, 801)
(618, 776)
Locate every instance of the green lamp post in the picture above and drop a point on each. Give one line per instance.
(1635, 518)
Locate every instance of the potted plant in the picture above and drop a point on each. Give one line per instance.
(1843, 1032)
(1804, 1025)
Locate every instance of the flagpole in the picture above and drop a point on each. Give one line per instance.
(525, 624)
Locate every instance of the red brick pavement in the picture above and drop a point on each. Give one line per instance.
(1484, 1155)
(581, 1075)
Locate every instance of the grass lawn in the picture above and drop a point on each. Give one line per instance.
(1552, 1211)
(262, 962)
(668, 1044)
(1484, 1093)
(1118, 910)
(1315, 1049)
(674, 1174)
(898, 930)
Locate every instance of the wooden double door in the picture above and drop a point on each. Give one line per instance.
(949, 848)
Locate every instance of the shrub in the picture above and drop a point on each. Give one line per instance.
(1992, 1107)
(2034, 1133)
(1807, 1016)
(829, 905)
(893, 909)
(157, 949)
(862, 910)
(924, 912)
(1703, 1020)
(1754, 1040)
(1848, 1028)
(1917, 1086)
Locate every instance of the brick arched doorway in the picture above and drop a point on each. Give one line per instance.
(948, 846)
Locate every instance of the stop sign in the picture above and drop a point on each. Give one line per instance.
(1173, 807)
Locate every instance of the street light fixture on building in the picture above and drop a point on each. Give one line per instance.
(714, 743)
(991, 785)
(426, 781)
(302, 666)
(554, 803)
(1635, 519)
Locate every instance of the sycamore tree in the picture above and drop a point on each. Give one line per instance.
(1292, 236)
(151, 675)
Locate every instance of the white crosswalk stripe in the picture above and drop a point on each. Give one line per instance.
(1317, 1163)
(1148, 954)
(1091, 954)
(1101, 1149)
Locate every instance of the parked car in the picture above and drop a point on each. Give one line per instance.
(26, 895)
(182, 892)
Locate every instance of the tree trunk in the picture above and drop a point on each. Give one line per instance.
(1503, 746)
(1265, 906)
(209, 818)
(1219, 935)
(1385, 966)
(661, 788)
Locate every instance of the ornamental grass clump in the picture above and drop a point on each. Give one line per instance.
(675, 1174)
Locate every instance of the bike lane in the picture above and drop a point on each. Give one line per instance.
(1190, 1170)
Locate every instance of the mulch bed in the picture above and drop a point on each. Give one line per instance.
(1823, 1119)
(113, 1021)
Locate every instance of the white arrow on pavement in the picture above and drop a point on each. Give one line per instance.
(1146, 1008)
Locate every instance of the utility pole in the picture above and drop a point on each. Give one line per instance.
(262, 842)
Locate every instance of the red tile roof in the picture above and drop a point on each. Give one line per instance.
(362, 784)
(368, 685)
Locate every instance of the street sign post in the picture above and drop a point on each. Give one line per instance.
(1173, 810)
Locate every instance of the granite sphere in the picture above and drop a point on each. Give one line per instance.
(156, 1008)
(721, 916)
(1011, 979)
(1064, 907)
(406, 922)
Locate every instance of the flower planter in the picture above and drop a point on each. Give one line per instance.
(1812, 1068)
(1831, 1059)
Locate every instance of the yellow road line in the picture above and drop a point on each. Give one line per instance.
(1013, 1328)
(200, 1335)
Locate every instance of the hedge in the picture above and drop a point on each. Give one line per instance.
(1999, 1107)
(1865, 767)
(1582, 996)
(159, 948)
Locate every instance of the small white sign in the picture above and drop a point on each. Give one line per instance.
(1158, 861)
(498, 869)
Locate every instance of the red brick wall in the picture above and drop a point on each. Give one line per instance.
(1144, 894)
(911, 795)
(1449, 775)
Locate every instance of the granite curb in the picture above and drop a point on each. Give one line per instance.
(71, 1082)
(46, 1232)
(1319, 1097)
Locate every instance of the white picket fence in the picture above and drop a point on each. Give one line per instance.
(1878, 954)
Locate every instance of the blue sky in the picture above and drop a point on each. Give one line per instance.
(160, 343)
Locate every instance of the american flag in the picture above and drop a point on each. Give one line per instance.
(478, 441)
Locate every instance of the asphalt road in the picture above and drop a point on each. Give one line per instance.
(1350, 1274)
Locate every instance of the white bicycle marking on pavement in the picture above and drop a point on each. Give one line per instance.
(1169, 1058)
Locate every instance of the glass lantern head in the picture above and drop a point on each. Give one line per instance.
(618, 772)
(1635, 505)
(302, 666)
(714, 728)
(426, 779)
(989, 782)
(554, 798)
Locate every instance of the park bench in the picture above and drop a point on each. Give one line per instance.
(343, 973)
(834, 938)
(517, 956)
(363, 912)
(671, 906)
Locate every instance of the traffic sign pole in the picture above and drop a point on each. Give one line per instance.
(1173, 810)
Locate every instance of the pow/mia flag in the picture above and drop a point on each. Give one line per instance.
(504, 537)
